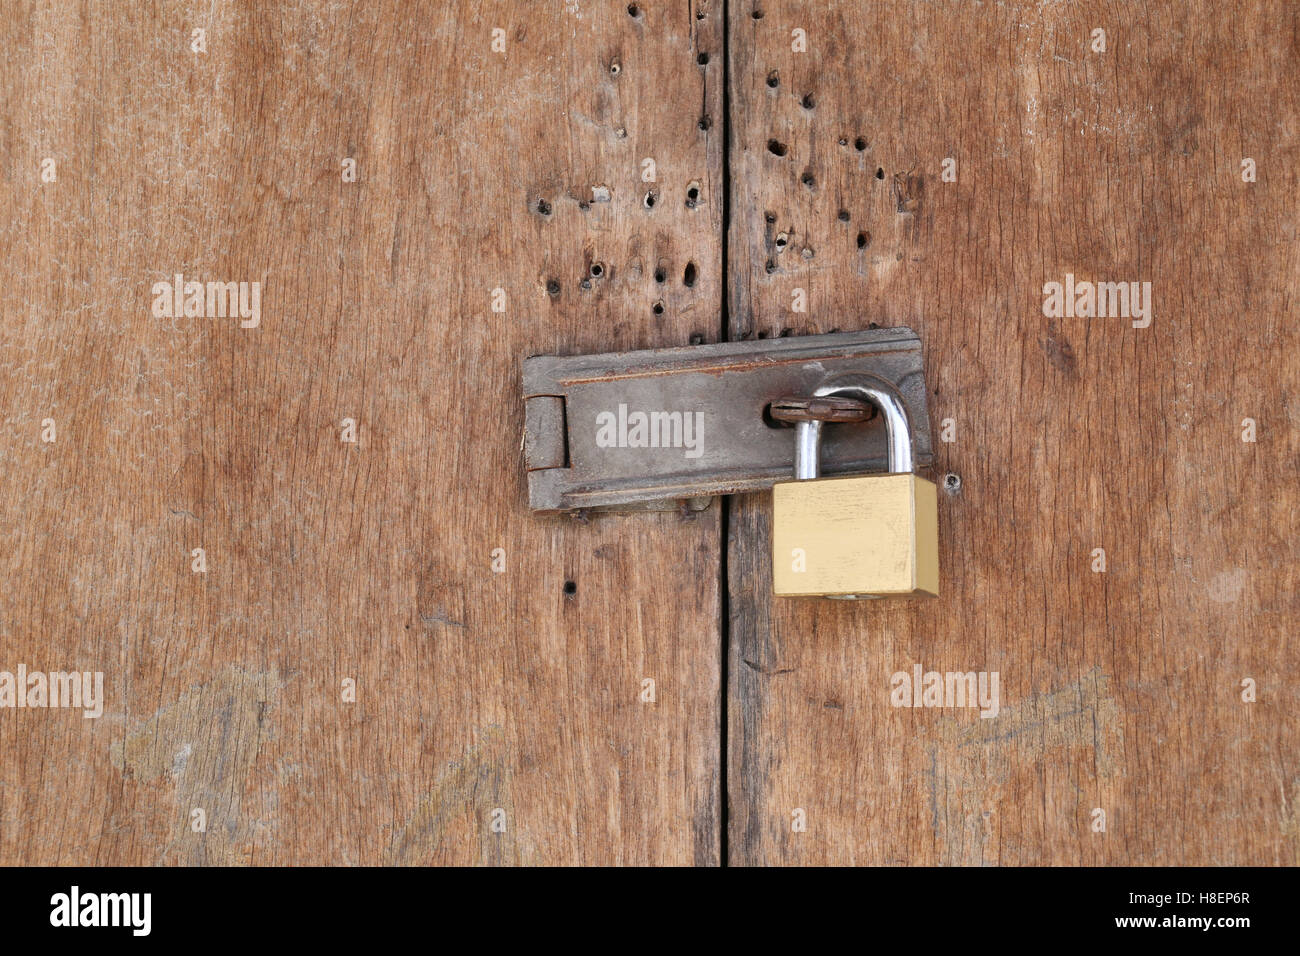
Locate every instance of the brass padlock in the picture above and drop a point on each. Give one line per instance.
(862, 536)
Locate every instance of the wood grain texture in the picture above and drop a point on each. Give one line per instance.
(1119, 690)
(329, 560)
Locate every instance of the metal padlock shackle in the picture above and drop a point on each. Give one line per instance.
(898, 428)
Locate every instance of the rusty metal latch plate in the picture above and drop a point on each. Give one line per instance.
(635, 430)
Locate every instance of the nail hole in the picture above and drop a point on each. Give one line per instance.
(585, 285)
(880, 173)
(864, 240)
(859, 144)
(952, 483)
(658, 308)
(774, 79)
(807, 178)
(770, 217)
(702, 59)
(757, 14)
(552, 287)
(781, 240)
(844, 215)
(705, 122)
(597, 270)
(843, 141)
(543, 207)
(688, 276)
(660, 275)
(651, 197)
(770, 267)
(776, 148)
(570, 587)
(807, 101)
(621, 133)
(615, 68)
(633, 10)
(692, 195)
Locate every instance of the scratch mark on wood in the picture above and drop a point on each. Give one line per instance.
(201, 750)
(465, 794)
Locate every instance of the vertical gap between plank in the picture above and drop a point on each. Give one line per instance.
(724, 801)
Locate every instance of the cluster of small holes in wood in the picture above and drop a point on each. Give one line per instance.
(780, 240)
(649, 196)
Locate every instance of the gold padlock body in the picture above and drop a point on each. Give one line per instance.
(868, 536)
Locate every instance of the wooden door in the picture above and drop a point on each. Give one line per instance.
(492, 716)
(297, 545)
(1113, 156)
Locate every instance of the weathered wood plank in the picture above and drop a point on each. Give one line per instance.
(1120, 691)
(326, 560)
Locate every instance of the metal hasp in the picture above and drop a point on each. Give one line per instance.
(708, 434)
